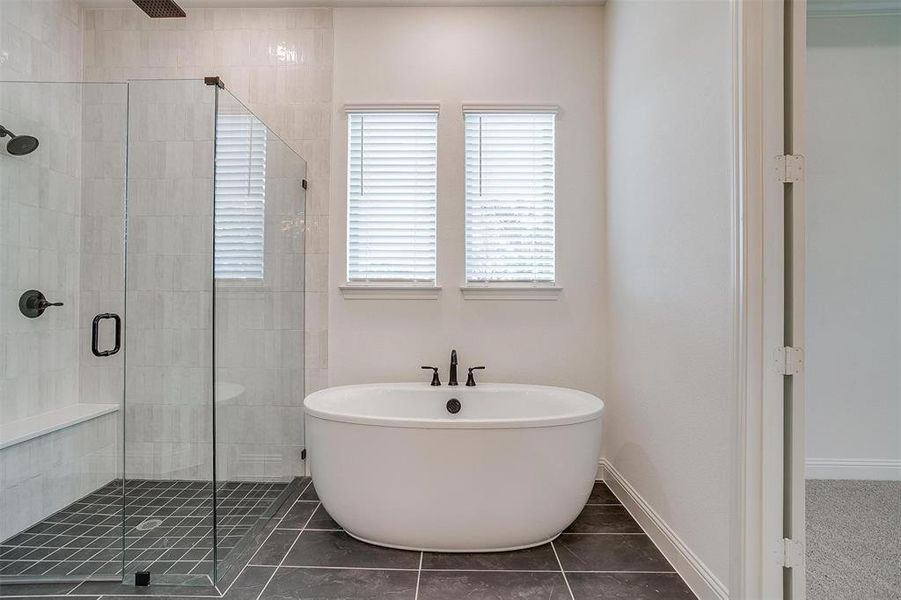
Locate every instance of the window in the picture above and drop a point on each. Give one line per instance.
(510, 197)
(240, 196)
(392, 196)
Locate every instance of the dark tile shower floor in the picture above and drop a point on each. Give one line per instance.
(168, 530)
(305, 555)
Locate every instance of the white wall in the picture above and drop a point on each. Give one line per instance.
(853, 346)
(668, 428)
(485, 55)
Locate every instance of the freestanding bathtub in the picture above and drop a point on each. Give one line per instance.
(511, 469)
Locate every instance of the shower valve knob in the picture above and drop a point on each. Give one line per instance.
(32, 304)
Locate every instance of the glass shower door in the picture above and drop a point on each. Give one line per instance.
(62, 191)
(169, 518)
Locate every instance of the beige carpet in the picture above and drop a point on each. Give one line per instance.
(853, 540)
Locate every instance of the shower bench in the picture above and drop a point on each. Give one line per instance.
(49, 460)
(22, 430)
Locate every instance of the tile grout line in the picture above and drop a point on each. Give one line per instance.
(124, 537)
(215, 532)
(326, 567)
(282, 562)
(418, 575)
(642, 572)
(269, 535)
(604, 533)
(562, 572)
(317, 505)
(126, 563)
(143, 499)
(193, 546)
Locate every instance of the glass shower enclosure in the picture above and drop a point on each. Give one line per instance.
(151, 330)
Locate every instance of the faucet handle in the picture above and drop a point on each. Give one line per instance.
(435, 379)
(470, 380)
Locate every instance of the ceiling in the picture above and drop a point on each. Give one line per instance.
(188, 4)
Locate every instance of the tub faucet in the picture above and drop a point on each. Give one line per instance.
(453, 369)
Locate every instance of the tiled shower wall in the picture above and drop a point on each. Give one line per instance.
(279, 62)
(40, 243)
(104, 124)
(276, 61)
(168, 381)
(40, 201)
(40, 40)
(259, 335)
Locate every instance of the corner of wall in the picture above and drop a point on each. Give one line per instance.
(699, 577)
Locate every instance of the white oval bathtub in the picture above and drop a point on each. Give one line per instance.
(511, 470)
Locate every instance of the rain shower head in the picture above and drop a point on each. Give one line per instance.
(19, 145)
(160, 9)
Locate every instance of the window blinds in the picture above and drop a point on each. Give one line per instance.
(240, 204)
(392, 196)
(510, 197)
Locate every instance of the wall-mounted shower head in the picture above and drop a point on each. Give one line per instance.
(160, 9)
(19, 145)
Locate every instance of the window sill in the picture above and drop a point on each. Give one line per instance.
(352, 291)
(241, 285)
(510, 292)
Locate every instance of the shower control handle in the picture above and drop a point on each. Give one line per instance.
(32, 304)
(95, 334)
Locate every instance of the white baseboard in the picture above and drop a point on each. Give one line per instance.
(699, 578)
(882, 469)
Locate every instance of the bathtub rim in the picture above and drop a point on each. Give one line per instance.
(450, 422)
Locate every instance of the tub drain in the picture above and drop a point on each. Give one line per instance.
(149, 524)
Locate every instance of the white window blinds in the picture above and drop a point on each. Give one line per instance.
(391, 196)
(240, 206)
(510, 197)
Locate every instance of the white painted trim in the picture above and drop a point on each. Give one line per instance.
(758, 261)
(741, 521)
(510, 292)
(409, 107)
(362, 291)
(878, 469)
(469, 107)
(690, 567)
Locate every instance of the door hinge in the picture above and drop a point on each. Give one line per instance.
(303, 183)
(303, 454)
(790, 554)
(790, 168)
(788, 360)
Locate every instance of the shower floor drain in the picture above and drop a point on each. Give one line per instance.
(149, 524)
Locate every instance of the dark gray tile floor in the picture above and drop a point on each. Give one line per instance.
(603, 555)
(168, 528)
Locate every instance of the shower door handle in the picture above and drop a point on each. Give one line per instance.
(95, 334)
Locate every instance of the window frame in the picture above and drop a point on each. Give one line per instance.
(500, 289)
(243, 282)
(387, 288)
